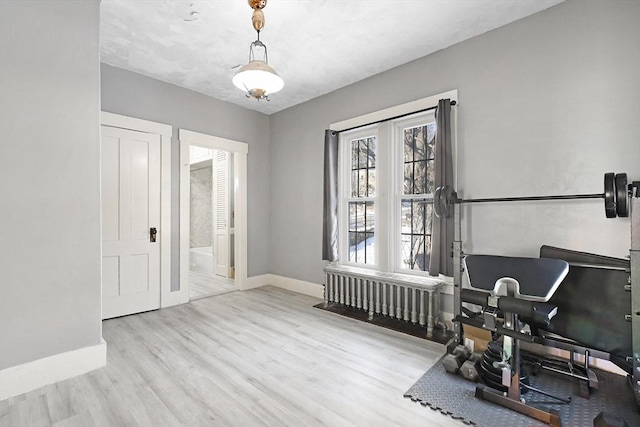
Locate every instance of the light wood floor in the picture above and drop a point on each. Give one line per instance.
(202, 284)
(263, 357)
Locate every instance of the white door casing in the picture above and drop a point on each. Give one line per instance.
(130, 169)
(221, 212)
(239, 152)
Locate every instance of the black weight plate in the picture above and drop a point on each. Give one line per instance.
(610, 195)
(494, 373)
(622, 201)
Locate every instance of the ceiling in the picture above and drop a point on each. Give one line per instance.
(316, 46)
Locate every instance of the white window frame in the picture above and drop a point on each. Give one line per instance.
(397, 191)
(386, 262)
(344, 182)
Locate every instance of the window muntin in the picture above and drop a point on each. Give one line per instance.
(361, 233)
(387, 190)
(361, 204)
(416, 202)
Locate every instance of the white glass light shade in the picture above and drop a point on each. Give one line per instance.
(258, 79)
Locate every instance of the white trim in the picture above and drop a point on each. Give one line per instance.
(132, 123)
(256, 282)
(167, 298)
(388, 158)
(214, 142)
(344, 182)
(398, 110)
(300, 286)
(30, 376)
(295, 285)
(240, 151)
(396, 166)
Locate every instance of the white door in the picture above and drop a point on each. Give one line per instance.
(221, 212)
(130, 210)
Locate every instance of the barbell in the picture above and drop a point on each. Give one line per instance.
(615, 197)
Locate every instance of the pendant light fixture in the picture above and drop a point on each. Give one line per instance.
(257, 79)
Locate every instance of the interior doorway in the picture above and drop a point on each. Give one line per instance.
(212, 214)
(211, 235)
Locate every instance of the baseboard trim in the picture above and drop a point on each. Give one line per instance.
(30, 376)
(256, 282)
(295, 285)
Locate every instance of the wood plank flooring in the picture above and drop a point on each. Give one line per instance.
(203, 284)
(263, 357)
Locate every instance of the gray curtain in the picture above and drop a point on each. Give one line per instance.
(330, 209)
(441, 261)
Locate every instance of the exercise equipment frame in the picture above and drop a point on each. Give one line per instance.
(632, 210)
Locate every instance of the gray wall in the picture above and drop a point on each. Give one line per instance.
(135, 95)
(547, 105)
(49, 179)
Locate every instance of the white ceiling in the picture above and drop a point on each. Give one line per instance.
(316, 46)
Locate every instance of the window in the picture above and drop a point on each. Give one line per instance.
(416, 199)
(361, 207)
(387, 185)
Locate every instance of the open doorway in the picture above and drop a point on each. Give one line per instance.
(212, 214)
(211, 235)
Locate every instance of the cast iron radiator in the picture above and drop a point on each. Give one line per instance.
(415, 299)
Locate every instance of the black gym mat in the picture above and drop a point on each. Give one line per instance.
(454, 396)
(398, 325)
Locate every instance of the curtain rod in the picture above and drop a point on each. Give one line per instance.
(392, 118)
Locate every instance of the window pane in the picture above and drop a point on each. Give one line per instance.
(362, 183)
(420, 177)
(352, 247)
(371, 187)
(354, 183)
(372, 152)
(354, 154)
(405, 252)
(353, 215)
(418, 159)
(361, 232)
(405, 217)
(408, 145)
(408, 178)
(420, 144)
(363, 160)
(369, 217)
(418, 219)
(363, 153)
(430, 186)
(369, 248)
(415, 238)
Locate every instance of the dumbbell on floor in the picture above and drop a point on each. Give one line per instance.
(470, 368)
(454, 360)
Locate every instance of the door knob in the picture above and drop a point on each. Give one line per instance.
(152, 234)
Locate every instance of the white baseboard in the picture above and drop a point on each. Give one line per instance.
(295, 285)
(30, 376)
(256, 282)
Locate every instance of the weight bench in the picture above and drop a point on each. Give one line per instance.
(511, 290)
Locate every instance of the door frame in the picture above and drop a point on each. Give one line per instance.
(167, 298)
(240, 151)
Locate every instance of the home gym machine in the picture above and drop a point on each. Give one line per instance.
(512, 289)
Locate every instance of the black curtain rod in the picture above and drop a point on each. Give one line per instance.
(392, 118)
